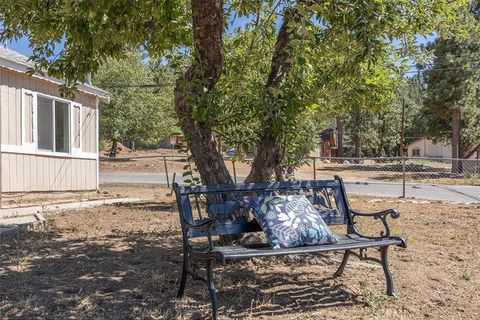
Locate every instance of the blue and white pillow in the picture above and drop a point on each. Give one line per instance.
(290, 221)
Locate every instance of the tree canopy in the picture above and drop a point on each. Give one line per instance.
(453, 87)
(451, 105)
(136, 112)
(289, 60)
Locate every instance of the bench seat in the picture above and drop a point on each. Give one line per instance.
(345, 242)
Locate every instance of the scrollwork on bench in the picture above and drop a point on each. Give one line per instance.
(362, 256)
(382, 216)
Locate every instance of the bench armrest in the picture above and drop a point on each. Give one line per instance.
(382, 215)
(377, 215)
(205, 225)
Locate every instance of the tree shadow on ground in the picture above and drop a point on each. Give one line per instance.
(282, 294)
(42, 275)
(124, 275)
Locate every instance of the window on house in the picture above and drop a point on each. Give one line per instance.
(53, 123)
(62, 127)
(45, 124)
(416, 152)
(50, 124)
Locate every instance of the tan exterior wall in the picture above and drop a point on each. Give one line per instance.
(24, 171)
(89, 138)
(429, 149)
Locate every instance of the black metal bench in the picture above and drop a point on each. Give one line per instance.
(220, 211)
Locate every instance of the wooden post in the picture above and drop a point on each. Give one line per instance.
(166, 171)
(173, 180)
(314, 169)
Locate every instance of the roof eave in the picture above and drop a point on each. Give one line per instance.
(22, 68)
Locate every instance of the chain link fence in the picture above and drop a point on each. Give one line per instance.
(422, 178)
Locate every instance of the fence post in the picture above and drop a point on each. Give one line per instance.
(404, 177)
(166, 171)
(234, 171)
(314, 169)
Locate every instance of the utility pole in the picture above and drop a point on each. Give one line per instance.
(402, 129)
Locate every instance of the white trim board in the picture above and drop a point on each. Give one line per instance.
(30, 150)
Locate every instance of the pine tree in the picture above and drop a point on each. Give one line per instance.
(451, 106)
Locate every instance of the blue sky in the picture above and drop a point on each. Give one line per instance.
(20, 46)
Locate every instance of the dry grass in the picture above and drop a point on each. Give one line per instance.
(124, 263)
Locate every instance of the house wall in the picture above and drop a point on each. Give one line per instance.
(430, 149)
(27, 170)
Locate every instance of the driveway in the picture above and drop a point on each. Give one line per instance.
(380, 189)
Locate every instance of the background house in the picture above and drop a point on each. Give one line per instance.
(426, 148)
(47, 143)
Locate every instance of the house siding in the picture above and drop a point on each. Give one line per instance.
(30, 173)
(24, 172)
(89, 141)
(429, 149)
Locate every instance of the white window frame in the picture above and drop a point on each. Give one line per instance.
(32, 148)
(69, 103)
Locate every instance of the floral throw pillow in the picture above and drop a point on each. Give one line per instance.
(290, 221)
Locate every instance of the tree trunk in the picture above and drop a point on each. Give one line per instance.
(270, 149)
(280, 173)
(114, 149)
(381, 149)
(456, 164)
(203, 73)
(340, 131)
(358, 147)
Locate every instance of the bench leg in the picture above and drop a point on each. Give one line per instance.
(183, 280)
(388, 275)
(340, 269)
(211, 289)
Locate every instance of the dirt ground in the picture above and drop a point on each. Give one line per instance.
(105, 192)
(124, 262)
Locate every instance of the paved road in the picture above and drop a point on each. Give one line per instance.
(421, 191)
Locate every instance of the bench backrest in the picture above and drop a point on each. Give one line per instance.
(225, 203)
